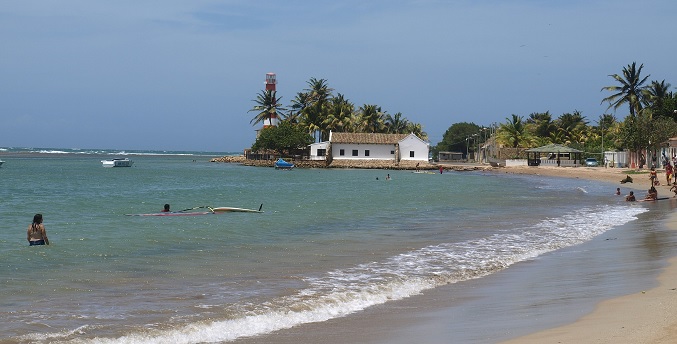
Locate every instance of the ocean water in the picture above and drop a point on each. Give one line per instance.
(330, 242)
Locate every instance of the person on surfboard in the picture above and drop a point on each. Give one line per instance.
(166, 208)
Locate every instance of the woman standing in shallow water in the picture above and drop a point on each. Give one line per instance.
(36, 232)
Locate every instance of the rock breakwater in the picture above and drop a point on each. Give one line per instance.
(366, 164)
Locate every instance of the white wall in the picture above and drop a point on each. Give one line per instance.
(516, 162)
(313, 150)
(413, 143)
(376, 152)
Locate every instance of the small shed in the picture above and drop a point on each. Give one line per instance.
(554, 155)
(450, 156)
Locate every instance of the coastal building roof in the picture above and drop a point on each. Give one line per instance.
(366, 138)
(554, 148)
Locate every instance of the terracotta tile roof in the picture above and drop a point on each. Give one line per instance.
(367, 138)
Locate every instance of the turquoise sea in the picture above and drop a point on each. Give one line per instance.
(330, 243)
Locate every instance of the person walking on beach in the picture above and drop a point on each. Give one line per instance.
(653, 177)
(37, 235)
(668, 172)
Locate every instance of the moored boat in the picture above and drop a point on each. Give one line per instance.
(1, 162)
(281, 164)
(117, 163)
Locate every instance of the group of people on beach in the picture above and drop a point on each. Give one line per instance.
(652, 193)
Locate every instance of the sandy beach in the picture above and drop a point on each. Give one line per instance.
(646, 317)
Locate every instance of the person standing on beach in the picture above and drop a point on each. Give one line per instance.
(653, 176)
(37, 235)
(668, 172)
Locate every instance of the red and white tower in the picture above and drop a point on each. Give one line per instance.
(271, 81)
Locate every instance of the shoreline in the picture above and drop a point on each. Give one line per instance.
(649, 316)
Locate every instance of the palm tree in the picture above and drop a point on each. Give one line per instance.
(630, 90)
(396, 124)
(268, 106)
(417, 129)
(542, 124)
(315, 112)
(655, 96)
(572, 125)
(373, 118)
(355, 123)
(298, 104)
(514, 133)
(338, 116)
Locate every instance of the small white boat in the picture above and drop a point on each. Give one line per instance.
(117, 163)
(1, 162)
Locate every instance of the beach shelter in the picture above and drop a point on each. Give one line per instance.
(554, 155)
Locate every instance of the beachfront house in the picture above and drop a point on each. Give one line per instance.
(376, 146)
(450, 156)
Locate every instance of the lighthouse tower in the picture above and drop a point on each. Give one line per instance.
(271, 81)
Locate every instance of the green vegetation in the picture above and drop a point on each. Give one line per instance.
(316, 111)
(285, 139)
(650, 121)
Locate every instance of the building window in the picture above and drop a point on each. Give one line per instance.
(411, 154)
(392, 152)
(354, 152)
(366, 152)
(321, 152)
(342, 152)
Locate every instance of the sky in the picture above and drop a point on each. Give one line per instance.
(182, 75)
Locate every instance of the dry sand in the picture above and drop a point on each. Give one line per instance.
(646, 317)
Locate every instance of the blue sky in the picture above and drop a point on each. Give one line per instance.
(181, 75)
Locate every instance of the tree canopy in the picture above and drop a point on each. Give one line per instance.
(285, 138)
(317, 111)
(649, 122)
